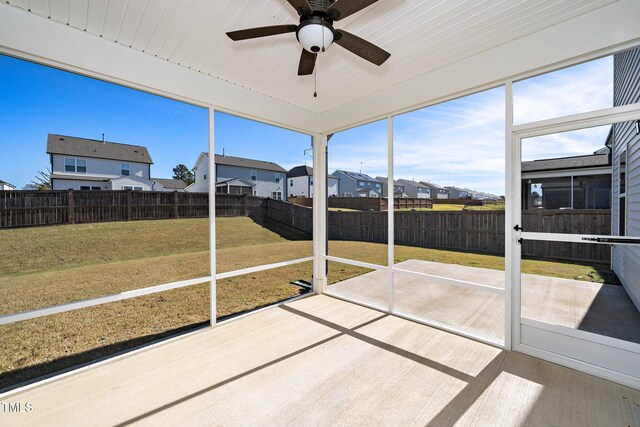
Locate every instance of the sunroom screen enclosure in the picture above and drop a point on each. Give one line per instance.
(178, 50)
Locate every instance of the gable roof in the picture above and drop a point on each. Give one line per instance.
(300, 171)
(357, 176)
(575, 162)
(385, 181)
(412, 183)
(83, 147)
(6, 183)
(304, 171)
(245, 163)
(432, 185)
(170, 183)
(242, 181)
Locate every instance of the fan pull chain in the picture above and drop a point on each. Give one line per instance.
(315, 78)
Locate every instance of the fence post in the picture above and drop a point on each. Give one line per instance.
(244, 205)
(70, 208)
(175, 204)
(129, 205)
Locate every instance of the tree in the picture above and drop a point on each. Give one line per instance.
(183, 173)
(42, 181)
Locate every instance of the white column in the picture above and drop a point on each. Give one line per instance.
(212, 218)
(390, 212)
(319, 213)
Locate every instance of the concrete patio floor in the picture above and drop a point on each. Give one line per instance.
(322, 361)
(594, 307)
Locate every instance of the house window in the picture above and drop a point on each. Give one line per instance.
(277, 177)
(75, 165)
(276, 195)
(290, 183)
(85, 187)
(361, 184)
(254, 175)
(96, 188)
(205, 174)
(124, 169)
(129, 187)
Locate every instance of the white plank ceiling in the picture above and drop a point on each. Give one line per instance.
(421, 35)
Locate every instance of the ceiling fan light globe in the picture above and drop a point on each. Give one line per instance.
(314, 37)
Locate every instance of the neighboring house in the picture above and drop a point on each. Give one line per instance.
(398, 189)
(415, 189)
(354, 184)
(625, 143)
(437, 191)
(300, 183)
(89, 164)
(465, 193)
(4, 186)
(238, 175)
(458, 193)
(577, 182)
(169, 184)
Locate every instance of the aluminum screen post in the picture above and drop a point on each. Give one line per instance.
(212, 219)
(319, 213)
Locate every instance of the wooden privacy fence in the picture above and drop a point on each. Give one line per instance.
(367, 203)
(34, 208)
(476, 231)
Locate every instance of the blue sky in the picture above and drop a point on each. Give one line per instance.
(460, 142)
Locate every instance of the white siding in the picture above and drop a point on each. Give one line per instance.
(300, 187)
(72, 184)
(333, 188)
(101, 167)
(626, 259)
(200, 185)
(133, 181)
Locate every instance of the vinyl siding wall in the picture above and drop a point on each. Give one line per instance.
(626, 259)
(101, 167)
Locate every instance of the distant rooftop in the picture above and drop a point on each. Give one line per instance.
(303, 171)
(247, 163)
(171, 184)
(358, 176)
(83, 147)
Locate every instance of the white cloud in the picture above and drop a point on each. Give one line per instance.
(462, 142)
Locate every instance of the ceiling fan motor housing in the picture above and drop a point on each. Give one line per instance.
(315, 33)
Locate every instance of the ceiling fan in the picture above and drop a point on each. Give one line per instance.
(315, 31)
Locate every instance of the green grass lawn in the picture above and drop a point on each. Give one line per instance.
(451, 207)
(44, 266)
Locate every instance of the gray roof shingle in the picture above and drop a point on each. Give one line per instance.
(300, 171)
(576, 162)
(83, 147)
(170, 183)
(247, 163)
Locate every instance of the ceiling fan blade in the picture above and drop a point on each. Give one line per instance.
(301, 6)
(252, 33)
(361, 47)
(307, 63)
(343, 8)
